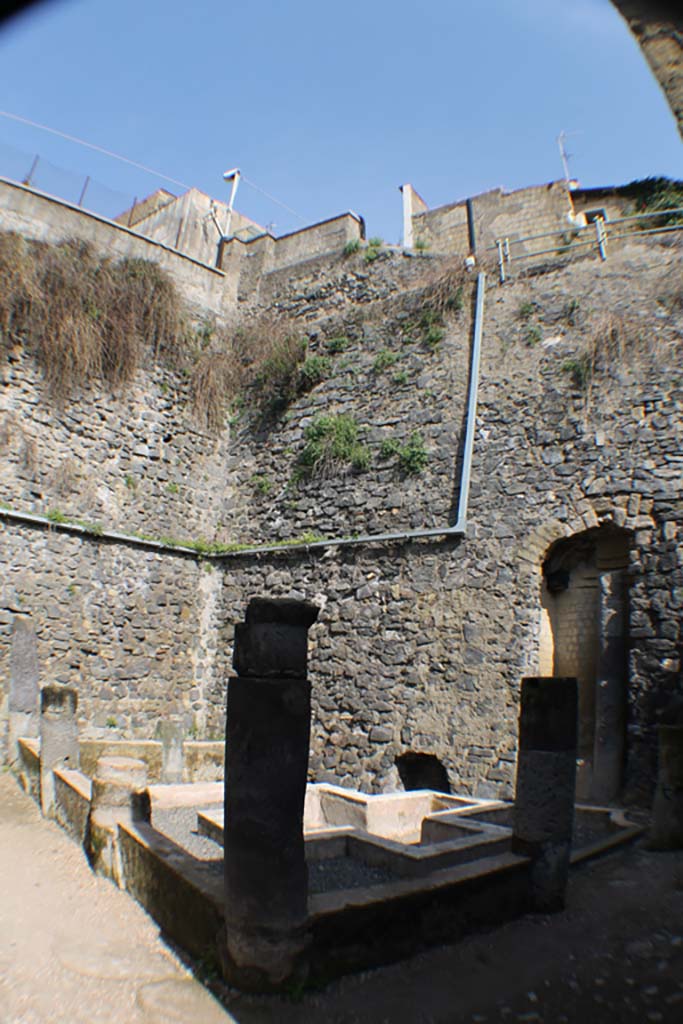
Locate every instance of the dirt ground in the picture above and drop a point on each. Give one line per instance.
(615, 954)
(74, 949)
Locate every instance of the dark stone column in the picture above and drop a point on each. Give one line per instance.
(266, 767)
(610, 691)
(546, 780)
(666, 831)
(58, 739)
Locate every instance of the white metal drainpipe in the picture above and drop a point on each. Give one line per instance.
(458, 528)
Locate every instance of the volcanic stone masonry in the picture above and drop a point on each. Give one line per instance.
(420, 644)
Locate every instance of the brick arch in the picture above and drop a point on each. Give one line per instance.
(584, 633)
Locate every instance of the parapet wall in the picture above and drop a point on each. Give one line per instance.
(46, 218)
(496, 214)
(251, 261)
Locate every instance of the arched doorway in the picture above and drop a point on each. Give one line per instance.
(585, 634)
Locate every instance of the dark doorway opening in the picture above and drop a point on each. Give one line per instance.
(422, 771)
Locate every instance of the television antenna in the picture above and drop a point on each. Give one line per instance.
(564, 155)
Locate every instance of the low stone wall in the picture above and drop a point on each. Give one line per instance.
(181, 893)
(149, 751)
(203, 761)
(28, 767)
(73, 792)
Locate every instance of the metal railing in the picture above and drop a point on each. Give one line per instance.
(575, 240)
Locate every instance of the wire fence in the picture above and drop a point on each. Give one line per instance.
(595, 237)
(83, 190)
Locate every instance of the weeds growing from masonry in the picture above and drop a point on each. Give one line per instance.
(411, 457)
(86, 317)
(331, 448)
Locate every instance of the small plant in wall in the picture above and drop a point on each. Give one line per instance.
(352, 247)
(331, 448)
(411, 457)
(580, 371)
(262, 484)
(338, 344)
(383, 360)
(314, 370)
(55, 515)
(373, 250)
(431, 326)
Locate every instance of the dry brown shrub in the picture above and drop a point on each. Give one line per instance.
(214, 383)
(618, 343)
(19, 286)
(447, 286)
(261, 358)
(84, 316)
(64, 329)
(160, 319)
(670, 290)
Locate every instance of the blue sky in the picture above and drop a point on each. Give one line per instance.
(331, 106)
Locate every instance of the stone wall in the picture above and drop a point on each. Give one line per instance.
(497, 214)
(137, 461)
(193, 223)
(420, 644)
(249, 261)
(133, 631)
(659, 32)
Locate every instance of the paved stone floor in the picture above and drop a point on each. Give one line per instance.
(73, 949)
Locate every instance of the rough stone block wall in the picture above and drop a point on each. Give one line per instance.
(138, 461)
(420, 646)
(133, 631)
(443, 229)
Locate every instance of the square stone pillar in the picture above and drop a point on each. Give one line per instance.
(546, 781)
(171, 733)
(266, 769)
(666, 829)
(610, 690)
(24, 684)
(58, 739)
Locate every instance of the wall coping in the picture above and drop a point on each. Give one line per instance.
(110, 223)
